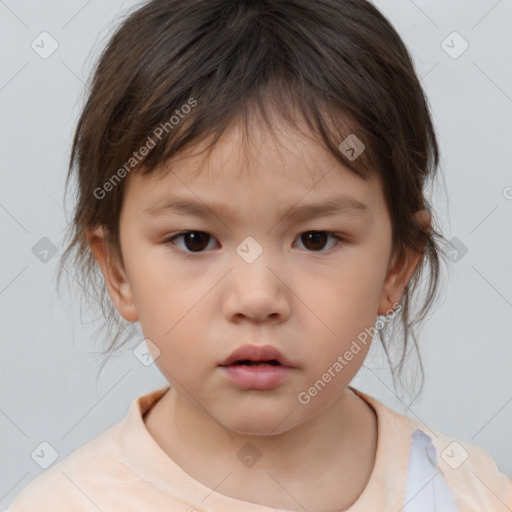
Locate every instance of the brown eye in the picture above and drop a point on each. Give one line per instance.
(316, 240)
(194, 241)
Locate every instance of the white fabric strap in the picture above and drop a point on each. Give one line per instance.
(427, 490)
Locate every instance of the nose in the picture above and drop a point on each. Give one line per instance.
(257, 292)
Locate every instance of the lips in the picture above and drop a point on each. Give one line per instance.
(252, 355)
(251, 367)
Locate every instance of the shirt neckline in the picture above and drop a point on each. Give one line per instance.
(385, 487)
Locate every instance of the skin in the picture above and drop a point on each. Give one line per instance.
(309, 301)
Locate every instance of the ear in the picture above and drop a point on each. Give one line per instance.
(401, 271)
(116, 279)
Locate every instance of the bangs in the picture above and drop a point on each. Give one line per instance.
(333, 129)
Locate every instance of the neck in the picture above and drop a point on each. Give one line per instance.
(281, 470)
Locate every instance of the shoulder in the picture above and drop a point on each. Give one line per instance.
(84, 473)
(440, 472)
(472, 475)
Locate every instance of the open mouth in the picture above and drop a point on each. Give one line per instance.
(248, 362)
(257, 373)
(253, 355)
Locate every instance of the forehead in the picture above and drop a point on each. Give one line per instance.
(285, 165)
(252, 146)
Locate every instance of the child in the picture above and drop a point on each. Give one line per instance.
(260, 129)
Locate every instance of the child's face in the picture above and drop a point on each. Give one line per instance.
(309, 297)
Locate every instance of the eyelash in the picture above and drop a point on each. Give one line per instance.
(338, 239)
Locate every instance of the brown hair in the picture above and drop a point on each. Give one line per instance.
(339, 63)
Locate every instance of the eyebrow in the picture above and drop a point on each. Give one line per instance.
(339, 205)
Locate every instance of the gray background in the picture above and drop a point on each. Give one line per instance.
(49, 375)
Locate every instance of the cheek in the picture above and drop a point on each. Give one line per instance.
(347, 302)
(171, 305)
(353, 293)
(156, 289)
